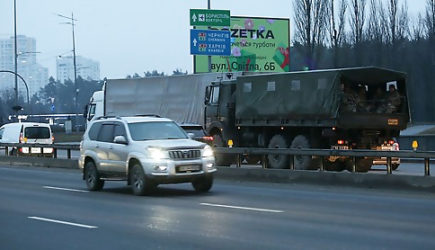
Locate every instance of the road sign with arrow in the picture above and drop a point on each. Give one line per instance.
(199, 17)
(210, 42)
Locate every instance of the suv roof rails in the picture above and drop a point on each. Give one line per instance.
(150, 115)
(108, 116)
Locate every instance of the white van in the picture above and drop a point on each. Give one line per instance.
(28, 132)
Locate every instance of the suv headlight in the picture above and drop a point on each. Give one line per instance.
(207, 151)
(158, 153)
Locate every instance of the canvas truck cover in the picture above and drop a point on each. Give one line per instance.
(299, 95)
(180, 98)
(302, 96)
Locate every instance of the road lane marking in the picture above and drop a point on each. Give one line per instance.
(61, 222)
(66, 189)
(242, 208)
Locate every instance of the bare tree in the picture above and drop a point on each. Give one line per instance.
(377, 29)
(417, 28)
(392, 20)
(336, 26)
(310, 21)
(403, 26)
(430, 18)
(357, 19)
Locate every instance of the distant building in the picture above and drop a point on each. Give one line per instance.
(86, 68)
(35, 75)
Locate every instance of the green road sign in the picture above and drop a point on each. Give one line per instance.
(200, 17)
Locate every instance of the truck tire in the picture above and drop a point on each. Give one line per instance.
(334, 166)
(222, 159)
(92, 178)
(274, 160)
(395, 166)
(364, 165)
(303, 162)
(253, 159)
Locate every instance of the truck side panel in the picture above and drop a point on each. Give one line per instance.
(287, 97)
(180, 98)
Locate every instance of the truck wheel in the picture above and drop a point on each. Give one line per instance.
(92, 178)
(334, 166)
(395, 166)
(252, 159)
(364, 165)
(303, 162)
(278, 161)
(222, 159)
(203, 184)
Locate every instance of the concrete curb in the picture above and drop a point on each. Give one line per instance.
(365, 180)
(39, 162)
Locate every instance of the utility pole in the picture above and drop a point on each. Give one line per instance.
(209, 57)
(16, 53)
(74, 57)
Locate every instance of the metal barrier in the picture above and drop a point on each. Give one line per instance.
(55, 147)
(322, 153)
(240, 152)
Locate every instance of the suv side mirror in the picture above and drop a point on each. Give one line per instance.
(120, 140)
(191, 135)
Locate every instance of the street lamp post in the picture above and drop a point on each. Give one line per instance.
(74, 56)
(16, 54)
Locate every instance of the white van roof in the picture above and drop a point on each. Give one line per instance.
(27, 124)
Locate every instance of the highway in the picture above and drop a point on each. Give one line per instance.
(50, 209)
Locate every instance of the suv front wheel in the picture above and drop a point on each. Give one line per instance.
(93, 181)
(203, 184)
(139, 183)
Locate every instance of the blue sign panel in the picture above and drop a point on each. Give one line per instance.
(210, 42)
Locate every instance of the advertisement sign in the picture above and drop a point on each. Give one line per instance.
(210, 42)
(257, 44)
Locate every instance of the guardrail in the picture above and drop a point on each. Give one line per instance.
(322, 153)
(68, 147)
(240, 152)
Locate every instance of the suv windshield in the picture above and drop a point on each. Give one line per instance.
(37, 133)
(142, 131)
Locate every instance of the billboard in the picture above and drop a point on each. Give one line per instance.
(257, 44)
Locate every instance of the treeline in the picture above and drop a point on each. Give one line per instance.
(54, 98)
(352, 33)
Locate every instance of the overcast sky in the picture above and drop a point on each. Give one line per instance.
(127, 36)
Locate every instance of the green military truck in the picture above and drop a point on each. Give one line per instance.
(349, 108)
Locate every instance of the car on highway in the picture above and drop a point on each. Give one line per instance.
(197, 132)
(29, 133)
(145, 152)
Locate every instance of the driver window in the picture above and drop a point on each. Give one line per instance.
(215, 95)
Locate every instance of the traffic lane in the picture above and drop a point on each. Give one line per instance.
(329, 215)
(136, 218)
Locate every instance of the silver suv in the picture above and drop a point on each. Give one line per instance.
(144, 151)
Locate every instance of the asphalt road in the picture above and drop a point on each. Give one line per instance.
(50, 209)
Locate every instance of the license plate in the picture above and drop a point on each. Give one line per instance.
(189, 168)
(340, 147)
(386, 148)
(35, 150)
